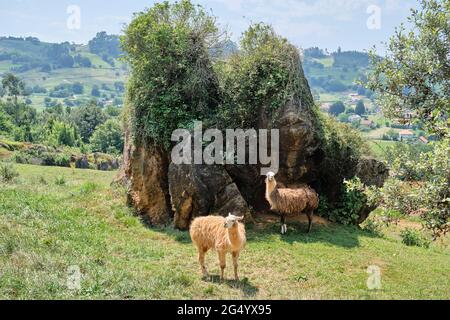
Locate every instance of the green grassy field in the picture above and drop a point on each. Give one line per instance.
(45, 228)
(379, 147)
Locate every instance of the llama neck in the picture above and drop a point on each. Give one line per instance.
(234, 236)
(270, 188)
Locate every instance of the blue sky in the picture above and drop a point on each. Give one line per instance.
(306, 23)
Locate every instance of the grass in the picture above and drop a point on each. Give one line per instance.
(378, 147)
(46, 229)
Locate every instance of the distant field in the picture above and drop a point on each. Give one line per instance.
(379, 147)
(88, 76)
(46, 228)
(327, 62)
(377, 134)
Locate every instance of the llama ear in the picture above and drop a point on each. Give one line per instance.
(229, 214)
(240, 218)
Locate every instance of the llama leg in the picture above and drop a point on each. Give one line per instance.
(310, 216)
(201, 259)
(283, 225)
(222, 261)
(235, 265)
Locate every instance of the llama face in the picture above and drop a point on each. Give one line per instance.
(231, 221)
(270, 176)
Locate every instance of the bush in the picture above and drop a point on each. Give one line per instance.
(342, 147)
(8, 172)
(260, 79)
(411, 237)
(420, 186)
(372, 227)
(352, 202)
(169, 91)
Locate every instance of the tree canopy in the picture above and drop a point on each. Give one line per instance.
(414, 76)
(337, 108)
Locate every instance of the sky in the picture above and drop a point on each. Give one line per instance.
(328, 24)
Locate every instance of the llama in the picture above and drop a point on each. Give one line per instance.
(225, 235)
(290, 202)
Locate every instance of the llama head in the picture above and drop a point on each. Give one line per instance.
(231, 221)
(270, 177)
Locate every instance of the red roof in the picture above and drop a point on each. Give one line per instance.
(406, 133)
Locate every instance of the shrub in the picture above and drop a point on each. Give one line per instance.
(411, 237)
(8, 172)
(352, 201)
(342, 148)
(373, 227)
(171, 90)
(420, 186)
(260, 79)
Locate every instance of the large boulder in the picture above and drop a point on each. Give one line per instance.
(372, 172)
(299, 146)
(144, 172)
(199, 190)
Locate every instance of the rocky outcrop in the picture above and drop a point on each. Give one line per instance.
(145, 174)
(372, 172)
(199, 190)
(298, 143)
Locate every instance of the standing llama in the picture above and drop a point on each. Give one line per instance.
(290, 202)
(225, 235)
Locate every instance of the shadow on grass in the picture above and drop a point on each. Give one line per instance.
(244, 285)
(333, 234)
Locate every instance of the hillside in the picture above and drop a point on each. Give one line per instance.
(47, 228)
(331, 76)
(45, 66)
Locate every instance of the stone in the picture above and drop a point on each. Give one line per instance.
(200, 190)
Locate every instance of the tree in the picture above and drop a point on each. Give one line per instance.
(414, 76)
(77, 88)
(108, 137)
(95, 91)
(87, 118)
(337, 108)
(104, 44)
(360, 108)
(13, 86)
(62, 134)
(5, 122)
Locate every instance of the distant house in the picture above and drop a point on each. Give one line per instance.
(367, 123)
(325, 107)
(354, 118)
(354, 97)
(406, 135)
(423, 140)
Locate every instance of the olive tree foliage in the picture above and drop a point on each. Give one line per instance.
(415, 73)
(172, 79)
